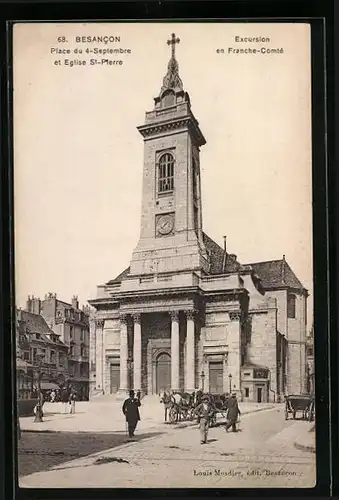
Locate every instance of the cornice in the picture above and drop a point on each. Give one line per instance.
(187, 121)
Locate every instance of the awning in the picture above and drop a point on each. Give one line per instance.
(48, 386)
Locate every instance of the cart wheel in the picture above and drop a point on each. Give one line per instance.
(172, 415)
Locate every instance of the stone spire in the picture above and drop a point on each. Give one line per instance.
(172, 79)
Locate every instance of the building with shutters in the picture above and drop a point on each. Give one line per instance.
(186, 314)
(71, 324)
(41, 355)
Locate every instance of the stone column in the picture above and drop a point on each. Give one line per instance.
(137, 353)
(234, 353)
(190, 352)
(100, 355)
(123, 355)
(175, 351)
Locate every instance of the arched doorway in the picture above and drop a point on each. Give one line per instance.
(163, 372)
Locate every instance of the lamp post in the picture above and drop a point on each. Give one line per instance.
(38, 408)
(230, 379)
(202, 375)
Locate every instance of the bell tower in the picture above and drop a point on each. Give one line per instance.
(171, 238)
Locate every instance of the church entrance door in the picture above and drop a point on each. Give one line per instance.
(216, 373)
(163, 372)
(115, 378)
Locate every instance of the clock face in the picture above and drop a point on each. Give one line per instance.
(165, 224)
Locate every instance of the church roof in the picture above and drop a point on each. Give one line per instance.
(216, 253)
(120, 276)
(276, 274)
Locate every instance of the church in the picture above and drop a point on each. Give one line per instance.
(186, 314)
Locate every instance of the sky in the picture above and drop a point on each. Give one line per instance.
(78, 156)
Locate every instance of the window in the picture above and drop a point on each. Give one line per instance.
(166, 173)
(291, 306)
(53, 358)
(247, 392)
(71, 350)
(83, 351)
(71, 332)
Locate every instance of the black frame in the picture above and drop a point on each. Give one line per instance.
(320, 15)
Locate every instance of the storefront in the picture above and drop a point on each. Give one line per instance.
(24, 379)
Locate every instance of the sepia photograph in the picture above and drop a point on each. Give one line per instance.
(163, 255)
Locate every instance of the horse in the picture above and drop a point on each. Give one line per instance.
(180, 403)
(167, 401)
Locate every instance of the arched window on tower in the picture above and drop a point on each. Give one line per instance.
(291, 302)
(166, 173)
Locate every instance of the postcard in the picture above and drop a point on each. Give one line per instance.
(163, 255)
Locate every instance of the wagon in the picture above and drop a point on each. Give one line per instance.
(178, 411)
(219, 403)
(299, 403)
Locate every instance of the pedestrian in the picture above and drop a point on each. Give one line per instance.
(53, 395)
(71, 400)
(232, 413)
(204, 412)
(64, 400)
(138, 395)
(130, 409)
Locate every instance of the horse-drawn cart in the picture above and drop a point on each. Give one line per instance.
(178, 407)
(219, 404)
(299, 403)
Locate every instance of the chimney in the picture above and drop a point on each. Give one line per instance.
(19, 314)
(225, 255)
(283, 269)
(75, 302)
(33, 305)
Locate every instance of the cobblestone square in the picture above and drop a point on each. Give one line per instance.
(261, 454)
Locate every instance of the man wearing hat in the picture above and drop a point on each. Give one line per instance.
(204, 412)
(232, 413)
(130, 409)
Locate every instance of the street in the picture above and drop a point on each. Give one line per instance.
(260, 454)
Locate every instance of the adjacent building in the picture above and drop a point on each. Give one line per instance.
(41, 355)
(186, 314)
(310, 380)
(71, 325)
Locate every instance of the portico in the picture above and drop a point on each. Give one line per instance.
(157, 347)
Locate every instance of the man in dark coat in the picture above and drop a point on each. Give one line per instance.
(130, 409)
(232, 413)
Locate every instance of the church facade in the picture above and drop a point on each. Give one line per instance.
(186, 314)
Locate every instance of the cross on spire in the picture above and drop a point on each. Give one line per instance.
(172, 42)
